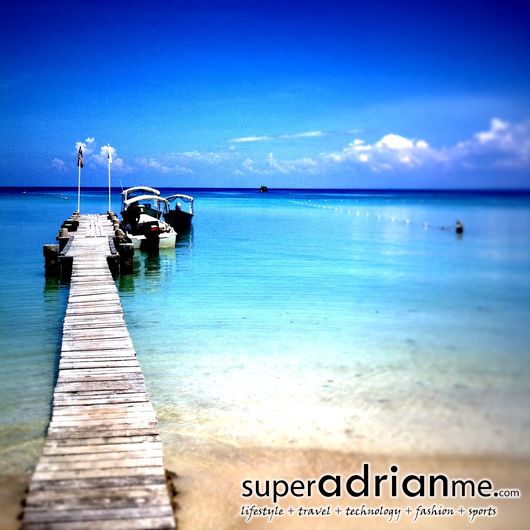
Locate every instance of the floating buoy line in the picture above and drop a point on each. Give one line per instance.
(458, 227)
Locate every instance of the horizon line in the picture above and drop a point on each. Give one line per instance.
(256, 188)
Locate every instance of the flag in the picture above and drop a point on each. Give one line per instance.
(109, 156)
(80, 157)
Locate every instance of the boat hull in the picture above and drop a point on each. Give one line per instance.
(179, 220)
(164, 240)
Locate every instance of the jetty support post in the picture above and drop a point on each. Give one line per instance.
(52, 267)
(66, 262)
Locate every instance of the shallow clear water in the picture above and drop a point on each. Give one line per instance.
(298, 319)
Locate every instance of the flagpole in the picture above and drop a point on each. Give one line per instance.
(79, 166)
(108, 160)
(78, 188)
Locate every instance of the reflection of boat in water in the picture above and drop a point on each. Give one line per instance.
(142, 211)
(178, 218)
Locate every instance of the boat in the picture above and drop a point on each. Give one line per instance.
(263, 189)
(142, 215)
(178, 218)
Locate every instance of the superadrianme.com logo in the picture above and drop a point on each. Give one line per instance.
(352, 493)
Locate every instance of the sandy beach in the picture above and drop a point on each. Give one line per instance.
(208, 477)
(209, 486)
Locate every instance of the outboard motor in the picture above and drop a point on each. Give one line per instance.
(151, 231)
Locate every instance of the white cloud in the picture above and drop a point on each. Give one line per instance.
(497, 127)
(394, 142)
(306, 134)
(272, 163)
(58, 164)
(87, 149)
(504, 145)
(209, 157)
(248, 164)
(390, 152)
(153, 164)
(102, 157)
(247, 139)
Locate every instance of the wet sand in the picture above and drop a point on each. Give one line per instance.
(12, 492)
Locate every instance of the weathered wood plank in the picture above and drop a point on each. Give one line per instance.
(56, 450)
(69, 499)
(108, 440)
(108, 354)
(113, 321)
(97, 482)
(91, 375)
(104, 408)
(99, 473)
(36, 516)
(145, 523)
(65, 400)
(78, 434)
(80, 364)
(99, 464)
(86, 424)
(104, 344)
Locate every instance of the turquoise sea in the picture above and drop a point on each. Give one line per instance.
(344, 320)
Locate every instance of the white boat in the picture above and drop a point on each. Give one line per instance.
(142, 218)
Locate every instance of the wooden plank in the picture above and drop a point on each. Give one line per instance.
(145, 523)
(125, 395)
(106, 407)
(97, 482)
(92, 375)
(72, 323)
(52, 450)
(65, 399)
(113, 472)
(93, 319)
(94, 310)
(97, 345)
(119, 332)
(100, 385)
(86, 298)
(37, 516)
(95, 434)
(110, 354)
(79, 364)
(98, 464)
(100, 457)
(108, 440)
(82, 423)
(42, 499)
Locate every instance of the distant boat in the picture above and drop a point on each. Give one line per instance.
(263, 189)
(142, 212)
(178, 218)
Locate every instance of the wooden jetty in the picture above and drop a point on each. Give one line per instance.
(101, 466)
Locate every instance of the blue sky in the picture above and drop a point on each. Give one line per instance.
(313, 94)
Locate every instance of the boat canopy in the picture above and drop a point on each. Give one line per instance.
(185, 198)
(128, 191)
(181, 197)
(151, 198)
(142, 190)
